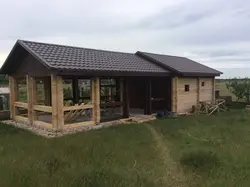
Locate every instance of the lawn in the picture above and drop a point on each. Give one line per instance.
(184, 151)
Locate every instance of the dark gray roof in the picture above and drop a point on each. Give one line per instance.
(179, 64)
(76, 58)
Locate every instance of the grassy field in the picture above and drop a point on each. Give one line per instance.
(185, 151)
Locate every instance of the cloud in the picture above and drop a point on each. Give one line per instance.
(213, 32)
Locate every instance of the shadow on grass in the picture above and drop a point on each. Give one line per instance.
(200, 160)
(9, 130)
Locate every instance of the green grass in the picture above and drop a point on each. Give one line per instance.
(185, 151)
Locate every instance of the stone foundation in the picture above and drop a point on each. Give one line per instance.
(52, 133)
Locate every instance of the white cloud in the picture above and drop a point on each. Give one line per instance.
(213, 32)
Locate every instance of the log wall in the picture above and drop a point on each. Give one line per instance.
(200, 89)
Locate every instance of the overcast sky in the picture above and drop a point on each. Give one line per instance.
(213, 32)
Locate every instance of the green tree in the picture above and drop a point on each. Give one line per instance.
(240, 88)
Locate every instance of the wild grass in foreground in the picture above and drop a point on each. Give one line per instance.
(184, 151)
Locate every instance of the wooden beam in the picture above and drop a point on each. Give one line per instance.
(43, 124)
(174, 94)
(80, 124)
(60, 114)
(21, 119)
(43, 108)
(34, 98)
(126, 98)
(54, 100)
(213, 89)
(21, 104)
(97, 100)
(30, 96)
(77, 107)
(93, 99)
(13, 91)
(198, 89)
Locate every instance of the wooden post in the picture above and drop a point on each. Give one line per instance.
(126, 98)
(198, 89)
(54, 100)
(175, 94)
(148, 98)
(60, 113)
(213, 89)
(30, 96)
(13, 94)
(96, 100)
(57, 102)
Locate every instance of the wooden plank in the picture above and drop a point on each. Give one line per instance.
(60, 114)
(21, 119)
(12, 98)
(30, 95)
(97, 100)
(213, 89)
(43, 108)
(21, 104)
(198, 89)
(54, 100)
(93, 99)
(79, 124)
(174, 94)
(43, 124)
(34, 99)
(77, 107)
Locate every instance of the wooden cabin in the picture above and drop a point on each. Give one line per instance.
(57, 86)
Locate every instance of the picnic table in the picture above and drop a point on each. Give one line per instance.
(210, 107)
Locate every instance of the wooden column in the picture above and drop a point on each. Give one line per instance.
(174, 94)
(125, 98)
(57, 102)
(75, 90)
(95, 82)
(213, 89)
(60, 104)
(30, 98)
(13, 96)
(148, 98)
(198, 89)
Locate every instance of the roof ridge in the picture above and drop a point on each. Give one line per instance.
(162, 54)
(76, 47)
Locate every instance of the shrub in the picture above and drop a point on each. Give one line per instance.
(200, 160)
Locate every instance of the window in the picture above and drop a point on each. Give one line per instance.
(186, 88)
(109, 91)
(202, 84)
